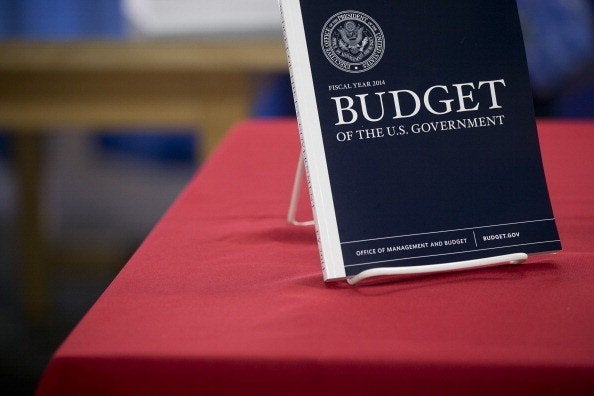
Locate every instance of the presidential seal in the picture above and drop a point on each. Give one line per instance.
(353, 41)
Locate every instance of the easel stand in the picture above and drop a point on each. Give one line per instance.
(516, 258)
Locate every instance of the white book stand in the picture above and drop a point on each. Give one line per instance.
(515, 258)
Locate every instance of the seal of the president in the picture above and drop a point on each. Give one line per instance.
(353, 41)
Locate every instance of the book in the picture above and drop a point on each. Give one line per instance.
(418, 132)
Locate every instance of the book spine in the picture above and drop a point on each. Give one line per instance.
(301, 138)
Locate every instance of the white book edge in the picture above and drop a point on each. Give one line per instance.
(310, 132)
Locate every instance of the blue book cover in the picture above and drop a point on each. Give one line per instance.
(418, 131)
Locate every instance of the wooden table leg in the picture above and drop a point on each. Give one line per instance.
(33, 262)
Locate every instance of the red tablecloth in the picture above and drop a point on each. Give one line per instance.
(224, 296)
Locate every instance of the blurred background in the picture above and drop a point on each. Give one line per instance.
(108, 107)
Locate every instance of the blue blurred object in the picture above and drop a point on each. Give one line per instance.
(579, 104)
(275, 99)
(559, 41)
(176, 146)
(2, 145)
(60, 19)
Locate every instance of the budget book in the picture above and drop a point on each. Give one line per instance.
(418, 132)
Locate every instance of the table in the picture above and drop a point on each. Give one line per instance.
(223, 296)
(82, 86)
(168, 83)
